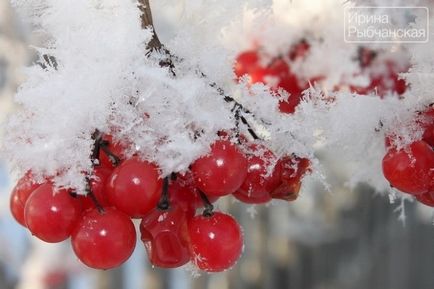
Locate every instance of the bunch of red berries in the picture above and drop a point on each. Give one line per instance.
(119, 189)
(411, 169)
(277, 73)
(383, 74)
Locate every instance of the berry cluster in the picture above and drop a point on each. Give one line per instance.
(410, 169)
(120, 189)
(383, 74)
(277, 73)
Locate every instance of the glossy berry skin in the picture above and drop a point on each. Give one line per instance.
(222, 171)
(19, 196)
(409, 169)
(426, 199)
(51, 215)
(216, 241)
(164, 234)
(98, 186)
(104, 240)
(263, 176)
(134, 187)
(292, 169)
(17, 208)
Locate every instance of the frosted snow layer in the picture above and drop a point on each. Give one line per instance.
(105, 81)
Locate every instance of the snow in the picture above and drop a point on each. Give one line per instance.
(105, 81)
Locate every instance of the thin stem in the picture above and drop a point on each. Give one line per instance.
(96, 136)
(147, 22)
(164, 204)
(208, 212)
(93, 197)
(114, 159)
(156, 45)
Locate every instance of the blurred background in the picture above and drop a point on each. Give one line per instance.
(339, 239)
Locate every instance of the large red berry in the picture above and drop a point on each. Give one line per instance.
(293, 169)
(104, 240)
(410, 169)
(135, 187)
(19, 196)
(164, 234)
(222, 171)
(263, 176)
(216, 241)
(51, 215)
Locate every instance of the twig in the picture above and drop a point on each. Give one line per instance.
(164, 204)
(208, 212)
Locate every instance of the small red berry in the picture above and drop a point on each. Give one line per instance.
(164, 234)
(263, 176)
(134, 187)
(51, 215)
(410, 169)
(216, 241)
(104, 240)
(222, 171)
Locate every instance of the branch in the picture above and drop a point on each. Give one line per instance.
(147, 22)
(156, 45)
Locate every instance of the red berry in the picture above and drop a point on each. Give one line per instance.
(19, 196)
(135, 187)
(263, 176)
(104, 240)
(98, 188)
(164, 236)
(293, 169)
(410, 169)
(216, 241)
(222, 171)
(51, 215)
(426, 199)
(246, 62)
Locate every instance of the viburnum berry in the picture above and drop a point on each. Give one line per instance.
(19, 196)
(164, 234)
(222, 171)
(215, 241)
(292, 169)
(263, 176)
(410, 169)
(135, 187)
(103, 240)
(51, 214)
